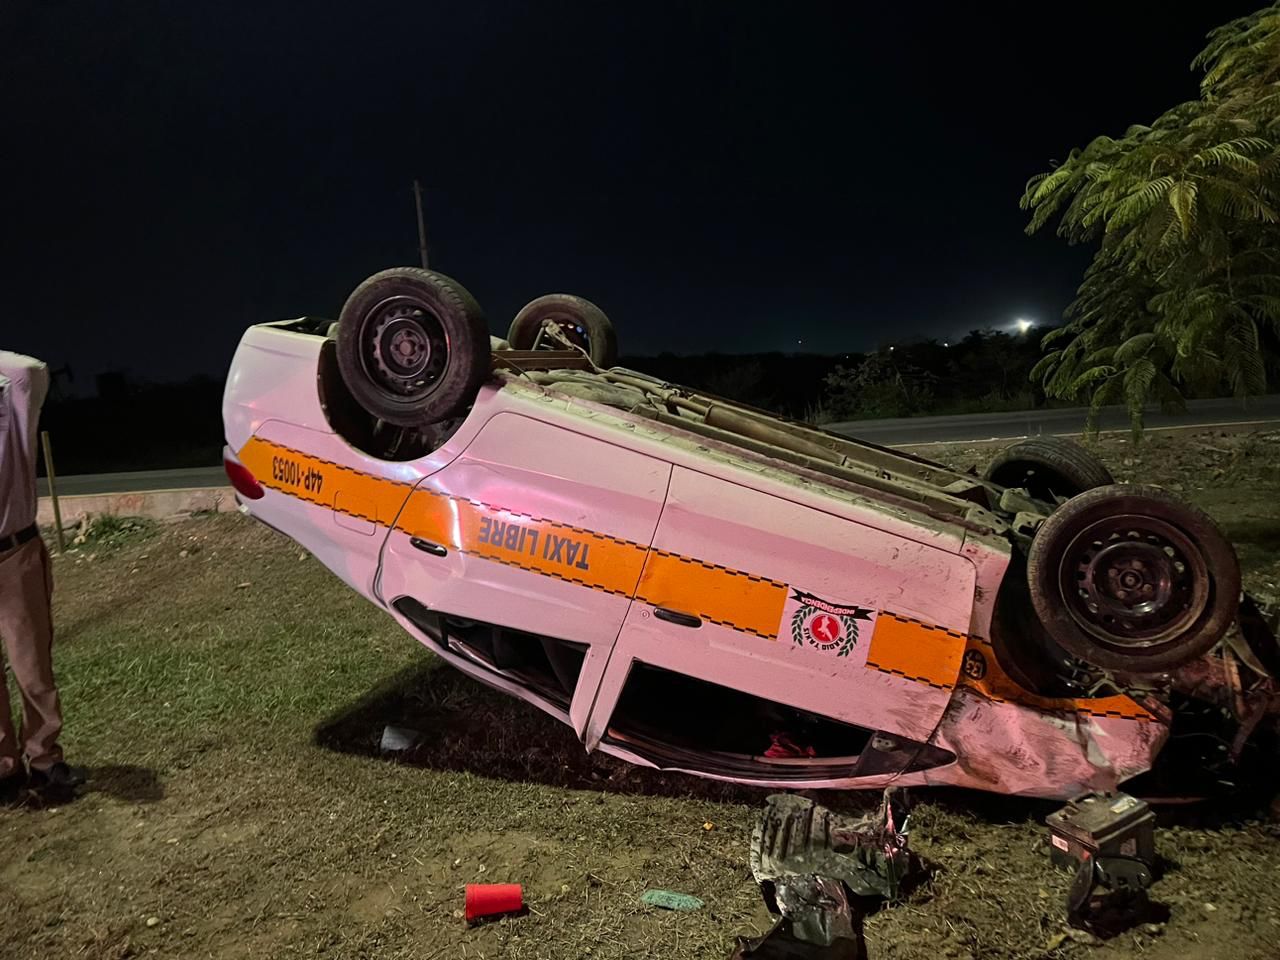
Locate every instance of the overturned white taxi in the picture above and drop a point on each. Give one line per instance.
(696, 585)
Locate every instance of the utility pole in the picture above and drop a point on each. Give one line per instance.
(53, 489)
(422, 226)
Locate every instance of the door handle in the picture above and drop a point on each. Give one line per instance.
(676, 617)
(426, 546)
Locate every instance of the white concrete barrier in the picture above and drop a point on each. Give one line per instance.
(156, 504)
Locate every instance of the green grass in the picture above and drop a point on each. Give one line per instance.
(227, 694)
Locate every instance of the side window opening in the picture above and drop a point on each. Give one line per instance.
(678, 709)
(549, 666)
(674, 720)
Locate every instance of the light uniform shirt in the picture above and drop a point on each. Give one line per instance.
(24, 383)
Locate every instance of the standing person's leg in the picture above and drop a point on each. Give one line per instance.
(11, 771)
(26, 623)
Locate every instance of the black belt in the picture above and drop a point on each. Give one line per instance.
(18, 539)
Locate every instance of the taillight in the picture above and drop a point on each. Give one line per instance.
(241, 478)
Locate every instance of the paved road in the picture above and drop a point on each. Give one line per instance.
(140, 480)
(999, 426)
(909, 430)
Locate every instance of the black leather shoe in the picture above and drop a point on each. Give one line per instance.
(60, 776)
(11, 787)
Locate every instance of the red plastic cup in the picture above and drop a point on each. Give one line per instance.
(490, 899)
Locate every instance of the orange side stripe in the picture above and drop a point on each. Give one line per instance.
(572, 554)
(718, 594)
(994, 684)
(553, 549)
(318, 481)
(432, 517)
(916, 650)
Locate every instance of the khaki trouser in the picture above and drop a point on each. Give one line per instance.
(26, 626)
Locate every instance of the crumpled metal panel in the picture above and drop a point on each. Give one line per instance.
(797, 838)
(820, 870)
(1008, 748)
(818, 908)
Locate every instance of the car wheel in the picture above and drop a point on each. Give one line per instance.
(413, 346)
(581, 321)
(1051, 469)
(1129, 578)
(1021, 644)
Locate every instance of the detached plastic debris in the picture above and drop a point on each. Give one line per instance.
(796, 837)
(822, 872)
(491, 899)
(820, 923)
(397, 739)
(670, 900)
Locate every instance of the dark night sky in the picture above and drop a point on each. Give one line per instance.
(733, 175)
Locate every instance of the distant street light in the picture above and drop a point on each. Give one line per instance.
(1023, 325)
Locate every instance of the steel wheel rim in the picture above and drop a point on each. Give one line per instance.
(404, 348)
(1133, 582)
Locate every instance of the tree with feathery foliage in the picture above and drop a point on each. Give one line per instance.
(1183, 294)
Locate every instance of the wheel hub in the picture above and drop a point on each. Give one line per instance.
(1130, 579)
(404, 347)
(407, 348)
(1133, 581)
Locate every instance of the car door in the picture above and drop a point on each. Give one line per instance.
(796, 605)
(534, 527)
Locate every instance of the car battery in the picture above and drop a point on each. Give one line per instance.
(1101, 825)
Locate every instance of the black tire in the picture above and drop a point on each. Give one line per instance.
(1051, 469)
(1130, 578)
(582, 321)
(413, 346)
(1021, 644)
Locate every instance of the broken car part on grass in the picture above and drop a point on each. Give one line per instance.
(821, 872)
(1108, 840)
